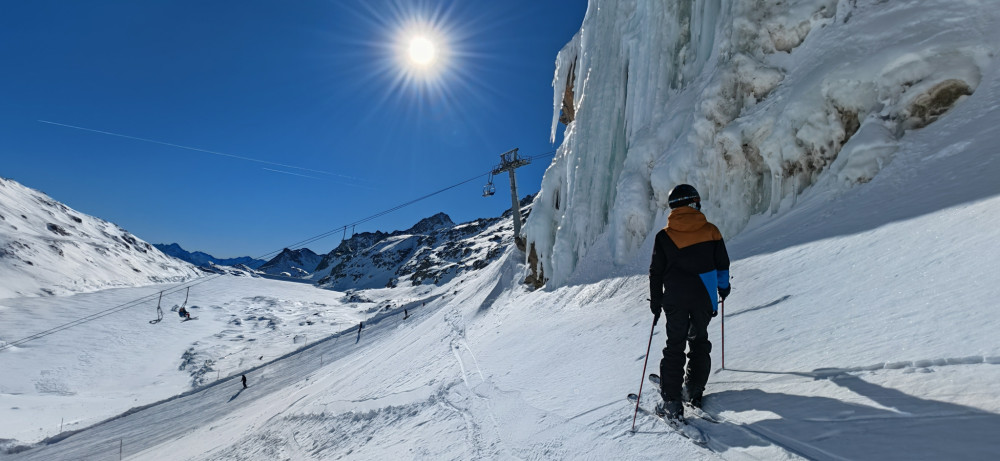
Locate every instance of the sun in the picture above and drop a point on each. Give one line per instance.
(422, 51)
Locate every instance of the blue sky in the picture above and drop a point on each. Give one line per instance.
(321, 120)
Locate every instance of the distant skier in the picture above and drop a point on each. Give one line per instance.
(360, 326)
(406, 315)
(184, 313)
(689, 272)
(244, 381)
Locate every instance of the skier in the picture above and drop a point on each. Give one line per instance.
(244, 381)
(689, 271)
(360, 326)
(184, 313)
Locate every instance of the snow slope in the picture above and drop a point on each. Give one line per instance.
(47, 248)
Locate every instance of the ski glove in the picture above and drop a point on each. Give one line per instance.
(715, 313)
(655, 308)
(724, 292)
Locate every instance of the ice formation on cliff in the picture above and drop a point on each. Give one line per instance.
(752, 102)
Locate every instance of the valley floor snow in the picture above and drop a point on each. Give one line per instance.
(104, 367)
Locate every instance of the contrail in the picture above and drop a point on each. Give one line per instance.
(288, 172)
(191, 148)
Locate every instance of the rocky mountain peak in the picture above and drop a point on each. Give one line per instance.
(430, 224)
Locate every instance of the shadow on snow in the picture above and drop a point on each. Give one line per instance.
(909, 427)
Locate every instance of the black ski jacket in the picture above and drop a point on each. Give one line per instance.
(690, 262)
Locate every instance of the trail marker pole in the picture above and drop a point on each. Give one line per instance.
(644, 363)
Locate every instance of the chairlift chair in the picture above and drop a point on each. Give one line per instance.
(159, 311)
(489, 189)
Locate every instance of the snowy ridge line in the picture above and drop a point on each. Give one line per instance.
(373, 321)
(825, 373)
(114, 310)
(903, 415)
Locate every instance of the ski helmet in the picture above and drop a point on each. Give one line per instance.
(683, 194)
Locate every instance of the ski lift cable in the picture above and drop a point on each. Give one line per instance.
(372, 217)
(187, 285)
(390, 210)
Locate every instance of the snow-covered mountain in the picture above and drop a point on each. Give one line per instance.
(433, 251)
(47, 248)
(293, 263)
(200, 258)
(753, 102)
(237, 270)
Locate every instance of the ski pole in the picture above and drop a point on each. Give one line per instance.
(644, 363)
(722, 308)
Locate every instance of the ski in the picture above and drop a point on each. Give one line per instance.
(681, 427)
(696, 411)
(701, 414)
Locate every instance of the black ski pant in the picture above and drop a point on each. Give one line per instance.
(687, 325)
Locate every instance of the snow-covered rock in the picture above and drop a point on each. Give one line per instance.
(428, 225)
(47, 248)
(752, 103)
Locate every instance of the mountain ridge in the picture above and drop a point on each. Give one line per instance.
(434, 250)
(48, 248)
(200, 258)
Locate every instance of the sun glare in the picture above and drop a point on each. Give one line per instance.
(422, 51)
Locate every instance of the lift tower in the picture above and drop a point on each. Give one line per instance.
(510, 161)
